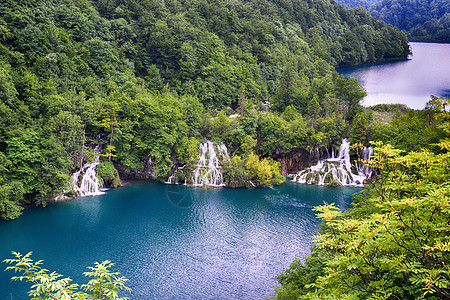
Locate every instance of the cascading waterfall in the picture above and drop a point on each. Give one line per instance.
(173, 178)
(363, 168)
(208, 171)
(89, 184)
(337, 170)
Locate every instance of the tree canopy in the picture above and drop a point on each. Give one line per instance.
(142, 82)
(426, 20)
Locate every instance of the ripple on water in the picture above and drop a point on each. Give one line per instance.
(226, 244)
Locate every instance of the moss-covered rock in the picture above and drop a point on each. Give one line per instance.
(108, 174)
(333, 183)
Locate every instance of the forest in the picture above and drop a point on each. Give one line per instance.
(426, 21)
(421, 20)
(145, 82)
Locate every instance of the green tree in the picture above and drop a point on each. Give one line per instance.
(290, 113)
(235, 173)
(403, 242)
(292, 90)
(313, 110)
(359, 129)
(221, 126)
(103, 284)
(11, 196)
(248, 144)
(350, 92)
(394, 243)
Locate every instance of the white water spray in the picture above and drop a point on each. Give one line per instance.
(172, 178)
(363, 168)
(89, 185)
(337, 170)
(208, 171)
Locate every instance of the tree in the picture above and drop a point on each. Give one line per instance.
(235, 173)
(394, 243)
(292, 90)
(103, 284)
(401, 248)
(10, 197)
(109, 123)
(248, 144)
(221, 126)
(359, 129)
(350, 92)
(313, 110)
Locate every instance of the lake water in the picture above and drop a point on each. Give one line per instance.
(411, 81)
(174, 242)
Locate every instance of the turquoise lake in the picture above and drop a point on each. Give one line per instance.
(411, 81)
(172, 241)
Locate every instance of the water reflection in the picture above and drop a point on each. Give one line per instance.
(221, 244)
(410, 82)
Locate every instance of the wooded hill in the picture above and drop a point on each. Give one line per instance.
(143, 80)
(426, 20)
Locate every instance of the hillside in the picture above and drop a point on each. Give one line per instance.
(142, 80)
(427, 20)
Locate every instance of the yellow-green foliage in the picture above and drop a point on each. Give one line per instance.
(394, 244)
(405, 240)
(252, 172)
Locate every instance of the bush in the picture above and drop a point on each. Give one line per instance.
(108, 173)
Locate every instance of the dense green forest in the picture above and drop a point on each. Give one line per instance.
(147, 81)
(144, 82)
(427, 20)
(394, 243)
(422, 20)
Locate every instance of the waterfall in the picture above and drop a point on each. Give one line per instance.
(173, 178)
(337, 170)
(208, 169)
(362, 168)
(89, 184)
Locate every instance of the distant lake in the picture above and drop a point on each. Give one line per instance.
(411, 81)
(172, 241)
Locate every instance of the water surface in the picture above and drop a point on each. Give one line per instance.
(174, 242)
(411, 81)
